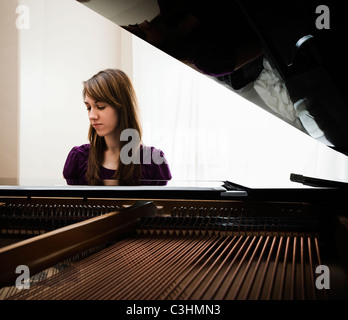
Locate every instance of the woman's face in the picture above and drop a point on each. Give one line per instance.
(159, 32)
(102, 116)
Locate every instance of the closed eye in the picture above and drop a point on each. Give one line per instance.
(88, 108)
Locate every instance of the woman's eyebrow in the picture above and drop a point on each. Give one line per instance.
(95, 102)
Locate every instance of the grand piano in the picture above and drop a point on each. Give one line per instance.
(197, 240)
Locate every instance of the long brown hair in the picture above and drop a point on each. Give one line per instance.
(114, 87)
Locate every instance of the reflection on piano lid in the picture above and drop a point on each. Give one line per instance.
(302, 41)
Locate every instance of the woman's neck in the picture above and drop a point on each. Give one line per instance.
(112, 144)
(112, 153)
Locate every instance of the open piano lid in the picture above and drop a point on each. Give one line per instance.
(301, 40)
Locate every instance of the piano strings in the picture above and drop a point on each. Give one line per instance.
(195, 254)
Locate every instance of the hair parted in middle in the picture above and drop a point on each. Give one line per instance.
(114, 87)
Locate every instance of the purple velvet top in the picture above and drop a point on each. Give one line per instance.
(75, 167)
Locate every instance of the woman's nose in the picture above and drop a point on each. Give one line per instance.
(93, 114)
(145, 25)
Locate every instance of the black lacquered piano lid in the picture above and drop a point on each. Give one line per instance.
(302, 40)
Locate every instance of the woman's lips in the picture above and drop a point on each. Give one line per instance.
(96, 125)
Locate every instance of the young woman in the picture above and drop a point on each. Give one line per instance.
(110, 158)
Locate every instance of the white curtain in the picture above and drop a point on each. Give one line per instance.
(208, 132)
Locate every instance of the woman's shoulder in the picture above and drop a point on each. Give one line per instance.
(154, 164)
(81, 150)
(79, 153)
(76, 162)
(151, 155)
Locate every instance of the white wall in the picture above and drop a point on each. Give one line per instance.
(66, 44)
(9, 93)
